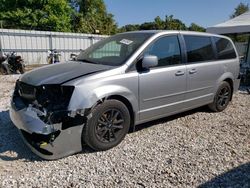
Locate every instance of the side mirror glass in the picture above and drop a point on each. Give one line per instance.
(149, 61)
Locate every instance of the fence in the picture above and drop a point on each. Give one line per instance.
(33, 46)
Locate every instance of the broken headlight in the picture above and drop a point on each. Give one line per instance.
(54, 97)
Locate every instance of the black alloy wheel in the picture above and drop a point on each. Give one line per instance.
(108, 125)
(222, 97)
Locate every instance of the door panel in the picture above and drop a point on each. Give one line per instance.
(201, 82)
(202, 70)
(162, 91)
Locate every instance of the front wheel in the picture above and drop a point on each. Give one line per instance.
(222, 97)
(108, 125)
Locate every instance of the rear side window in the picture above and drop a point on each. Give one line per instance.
(199, 48)
(225, 49)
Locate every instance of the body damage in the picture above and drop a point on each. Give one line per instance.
(51, 117)
(103, 87)
(42, 116)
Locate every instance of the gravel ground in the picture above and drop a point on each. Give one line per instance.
(194, 149)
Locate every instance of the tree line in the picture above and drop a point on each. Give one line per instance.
(169, 23)
(80, 16)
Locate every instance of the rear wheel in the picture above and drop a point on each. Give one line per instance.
(50, 60)
(222, 97)
(22, 69)
(108, 125)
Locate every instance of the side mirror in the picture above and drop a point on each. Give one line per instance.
(149, 61)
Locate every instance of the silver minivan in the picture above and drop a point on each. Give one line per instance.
(119, 82)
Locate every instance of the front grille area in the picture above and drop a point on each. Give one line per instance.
(51, 97)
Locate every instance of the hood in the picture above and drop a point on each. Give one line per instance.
(61, 72)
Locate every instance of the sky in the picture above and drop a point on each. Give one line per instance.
(203, 12)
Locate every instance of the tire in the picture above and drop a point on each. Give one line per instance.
(22, 69)
(222, 97)
(49, 60)
(102, 133)
(3, 71)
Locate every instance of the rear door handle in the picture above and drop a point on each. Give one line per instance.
(192, 71)
(179, 73)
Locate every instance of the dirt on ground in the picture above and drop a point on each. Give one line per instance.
(197, 148)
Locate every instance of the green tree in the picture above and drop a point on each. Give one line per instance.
(170, 23)
(195, 27)
(174, 24)
(36, 14)
(147, 26)
(240, 9)
(92, 16)
(129, 27)
(159, 23)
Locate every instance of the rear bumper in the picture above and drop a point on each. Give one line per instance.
(49, 141)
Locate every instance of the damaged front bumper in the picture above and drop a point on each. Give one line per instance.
(59, 138)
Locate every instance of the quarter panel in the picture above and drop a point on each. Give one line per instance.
(202, 86)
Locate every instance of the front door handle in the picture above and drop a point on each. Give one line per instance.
(179, 73)
(192, 71)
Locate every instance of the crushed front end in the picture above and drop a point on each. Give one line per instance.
(45, 123)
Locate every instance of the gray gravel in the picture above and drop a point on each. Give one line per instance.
(196, 148)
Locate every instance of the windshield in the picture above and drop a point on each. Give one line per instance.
(115, 50)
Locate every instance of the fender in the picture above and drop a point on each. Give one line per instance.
(86, 98)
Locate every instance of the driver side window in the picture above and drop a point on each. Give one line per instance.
(167, 49)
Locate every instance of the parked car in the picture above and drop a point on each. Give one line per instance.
(120, 82)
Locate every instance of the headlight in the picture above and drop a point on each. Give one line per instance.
(54, 97)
